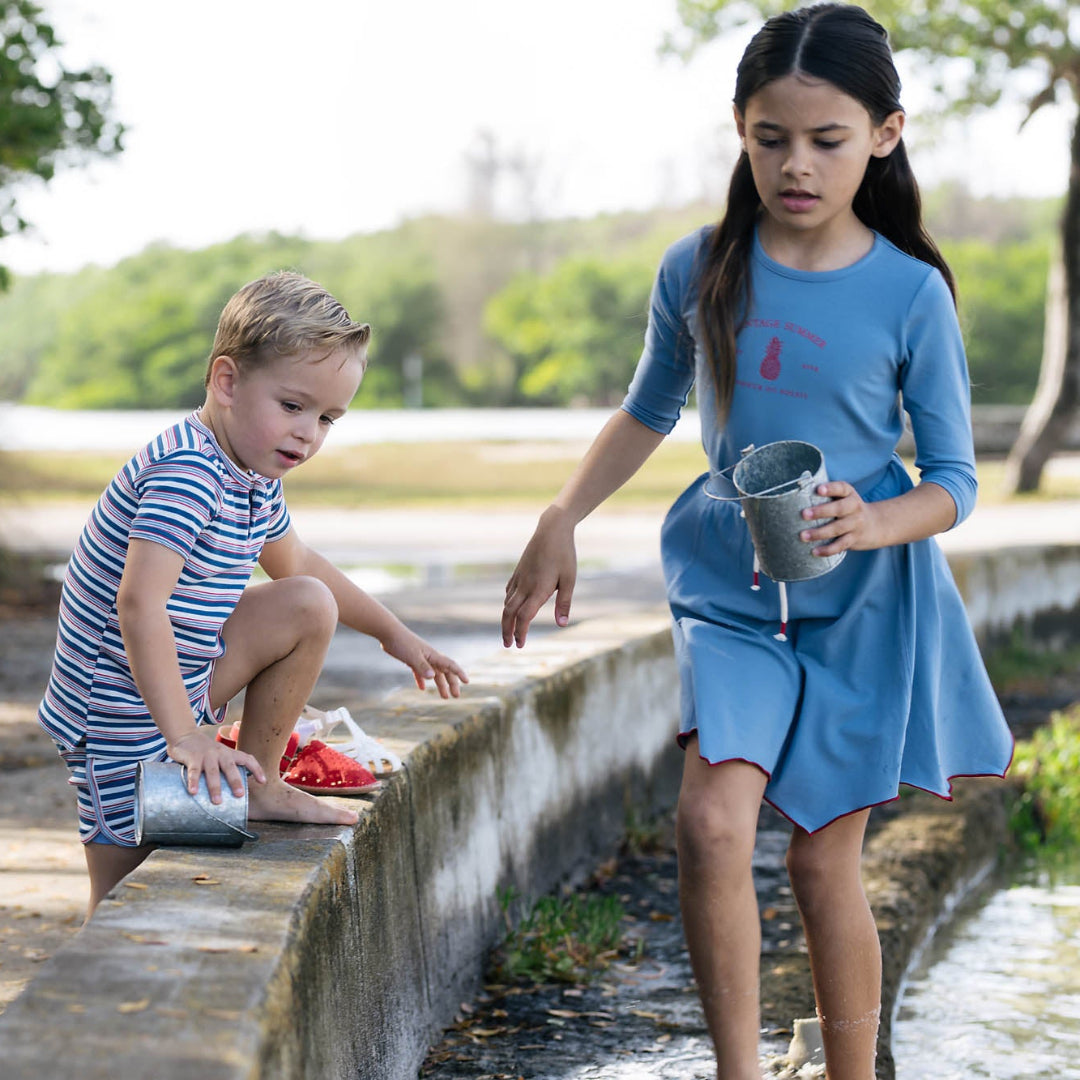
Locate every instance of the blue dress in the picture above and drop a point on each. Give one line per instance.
(880, 681)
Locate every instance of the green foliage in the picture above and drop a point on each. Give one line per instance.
(1046, 810)
(1002, 303)
(575, 334)
(542, 313)
(50, 116)
(137, 335)
(559, 939)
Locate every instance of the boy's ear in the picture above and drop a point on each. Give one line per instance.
(887, 135)
(224, 375)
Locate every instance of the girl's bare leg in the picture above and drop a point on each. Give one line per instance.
(716, 827)
(108, 865)
(275, 644)
(842, 938)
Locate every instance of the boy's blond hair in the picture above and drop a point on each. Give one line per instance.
(285, 314)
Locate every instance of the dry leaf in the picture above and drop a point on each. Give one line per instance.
(76, 1008)
(660, 916)
(231, 1015)
(135, 885)
(205, 879)
(565, 1014)
(769, 913)
(132, 1006)
(645, 1015)
(142, 939)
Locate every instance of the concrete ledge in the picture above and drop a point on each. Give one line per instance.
(328, 953)
(325, 953)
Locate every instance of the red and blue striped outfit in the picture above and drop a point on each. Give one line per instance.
(182, 491)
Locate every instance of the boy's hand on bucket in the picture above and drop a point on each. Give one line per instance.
(853, 527)
(200, 753)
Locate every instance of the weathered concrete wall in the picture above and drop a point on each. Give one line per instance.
(1033, 590)
(323, 953)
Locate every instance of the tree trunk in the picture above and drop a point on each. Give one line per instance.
(1057, 397)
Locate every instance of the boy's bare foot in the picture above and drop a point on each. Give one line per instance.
(277, 801)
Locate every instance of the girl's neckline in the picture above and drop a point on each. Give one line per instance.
(812, 275)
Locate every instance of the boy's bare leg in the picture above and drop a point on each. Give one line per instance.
(842, 940)
(108, 865)
(716, 828)
(275, 644)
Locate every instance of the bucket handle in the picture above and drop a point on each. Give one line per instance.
(739, 498)
(213, 817)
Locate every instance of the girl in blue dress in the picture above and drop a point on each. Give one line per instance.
(819, 310)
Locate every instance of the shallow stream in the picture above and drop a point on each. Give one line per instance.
(997, 993)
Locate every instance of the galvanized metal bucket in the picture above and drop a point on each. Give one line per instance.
(776, 482)
(167, 813)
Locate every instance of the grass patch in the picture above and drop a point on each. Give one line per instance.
(464, 475)
(1045, 813)
(458, 474)
(571, 938)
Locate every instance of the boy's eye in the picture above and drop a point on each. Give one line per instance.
(290, 406)
(327, 420)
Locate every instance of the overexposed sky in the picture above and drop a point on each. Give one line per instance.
(329, 117)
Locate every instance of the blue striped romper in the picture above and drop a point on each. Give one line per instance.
(182, 491)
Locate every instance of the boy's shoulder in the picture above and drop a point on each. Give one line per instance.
(186, 445)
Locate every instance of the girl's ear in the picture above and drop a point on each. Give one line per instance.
(887, 134)
(224, 375)
(740, 124)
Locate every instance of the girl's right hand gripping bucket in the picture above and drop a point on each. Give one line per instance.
(167, 813)
(776, 482)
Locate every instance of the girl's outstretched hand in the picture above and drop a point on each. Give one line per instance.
(426, 662)
(547, 565)
(202, 754)
(855, 525)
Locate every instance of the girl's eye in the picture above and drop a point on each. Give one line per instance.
(770, 144)
(826, 144)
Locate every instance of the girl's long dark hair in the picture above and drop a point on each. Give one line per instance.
(843, 45)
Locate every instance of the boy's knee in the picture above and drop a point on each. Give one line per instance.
(311, 604)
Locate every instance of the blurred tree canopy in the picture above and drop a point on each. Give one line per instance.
(500, 314)
(989, 41)
(50, 115)
(574, 335)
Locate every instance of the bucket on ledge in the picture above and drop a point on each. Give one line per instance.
(776, 482)
(167, 813)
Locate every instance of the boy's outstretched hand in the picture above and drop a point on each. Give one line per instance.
(426, 662)
(201, 753)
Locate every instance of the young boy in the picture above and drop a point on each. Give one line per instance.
(158, 627)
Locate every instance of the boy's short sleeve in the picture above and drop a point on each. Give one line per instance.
(280, 522)
(178, 497)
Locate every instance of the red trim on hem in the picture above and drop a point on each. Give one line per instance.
(683, 738)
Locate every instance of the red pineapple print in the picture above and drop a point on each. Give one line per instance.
(770, 366)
